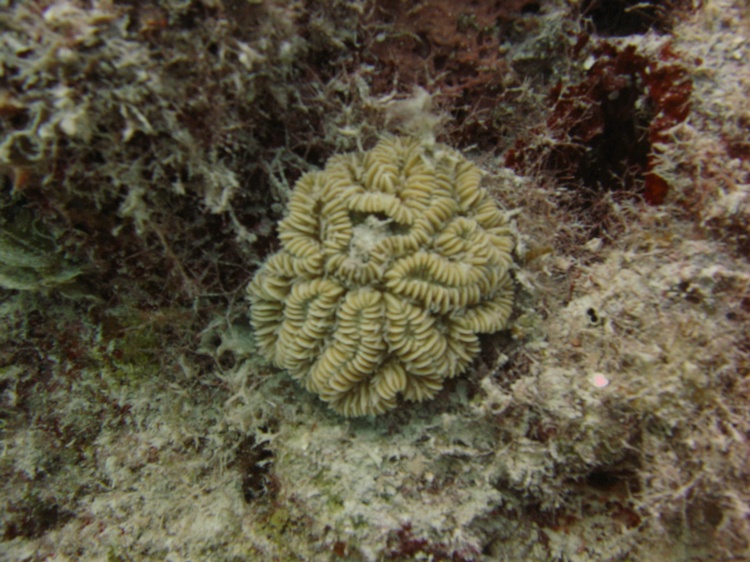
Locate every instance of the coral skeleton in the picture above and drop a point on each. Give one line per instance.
(392, 262)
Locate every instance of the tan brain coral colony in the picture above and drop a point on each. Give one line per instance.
(392, 261)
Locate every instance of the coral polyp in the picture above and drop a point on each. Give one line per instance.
(392, 262)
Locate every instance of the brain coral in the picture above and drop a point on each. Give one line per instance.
(392, 262)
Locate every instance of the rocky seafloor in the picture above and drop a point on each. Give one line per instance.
(147, 151)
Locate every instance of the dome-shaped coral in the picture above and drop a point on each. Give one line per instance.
(393, 260)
